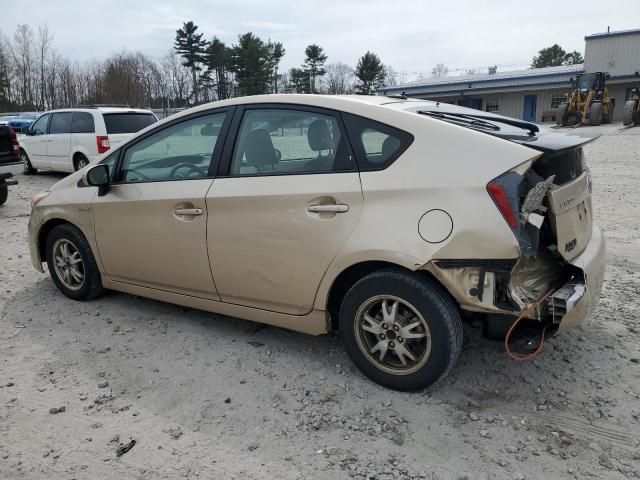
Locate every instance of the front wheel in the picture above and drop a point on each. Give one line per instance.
(595, 114)
(71, 263)
(401, 330)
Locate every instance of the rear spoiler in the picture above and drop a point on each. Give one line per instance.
(537, 138)
(553, 142)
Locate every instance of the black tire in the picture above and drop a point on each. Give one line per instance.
(91, 286)
(431, 301)
(595, 114)
(80, 161)
(561, 114)
(629, 109)
(607, 116)
(4, 194)
(26, 164)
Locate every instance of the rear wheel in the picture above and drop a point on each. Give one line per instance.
(26, 164)
(595, 114)
(80, 161)
(4, 193)
(401, 330)
(629, 109)
(71, 263)
(607, 116)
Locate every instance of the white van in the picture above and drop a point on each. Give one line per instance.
(68, 139)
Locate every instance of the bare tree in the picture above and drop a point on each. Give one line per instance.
(43, 47)
(178, 76)
(23, 58)
(440, 70)
(338, 79)
(390, 76)
(6, 75)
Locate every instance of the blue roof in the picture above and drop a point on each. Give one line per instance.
(619, 33)
(509, 79)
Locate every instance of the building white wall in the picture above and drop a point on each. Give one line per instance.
(511, 104)
(616, 54)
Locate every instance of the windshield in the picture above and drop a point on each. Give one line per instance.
(587, 81)
(127, 122)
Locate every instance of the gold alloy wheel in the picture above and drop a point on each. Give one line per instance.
(393, 335)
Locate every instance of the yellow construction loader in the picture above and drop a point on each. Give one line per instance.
(631, 115)
(588, 101)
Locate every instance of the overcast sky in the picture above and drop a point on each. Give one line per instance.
(411, 36)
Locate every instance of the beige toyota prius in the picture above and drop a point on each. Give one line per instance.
(382, 217)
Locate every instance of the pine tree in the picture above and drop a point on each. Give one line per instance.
(218, 60)
(191, 47)
(300, 80)
(252, 64)
(276, 51)
(370, 71)
(314, 63)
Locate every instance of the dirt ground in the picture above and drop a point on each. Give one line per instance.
(212, 397)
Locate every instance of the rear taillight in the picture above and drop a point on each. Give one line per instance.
(103, 143)
(499, 196)
(15, 146)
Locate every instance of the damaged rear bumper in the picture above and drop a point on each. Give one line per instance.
(511, 286)
(592, 263)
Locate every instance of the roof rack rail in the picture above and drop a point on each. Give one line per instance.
(98, 105)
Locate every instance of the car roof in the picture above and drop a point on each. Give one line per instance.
(101, 110)
(357, 104)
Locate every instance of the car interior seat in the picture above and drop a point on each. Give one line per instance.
(320, 140)
(259, 151)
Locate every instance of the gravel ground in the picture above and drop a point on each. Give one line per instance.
(206, 396)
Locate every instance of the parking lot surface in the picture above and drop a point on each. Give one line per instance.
(207, 396)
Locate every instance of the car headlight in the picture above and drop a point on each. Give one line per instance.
(37, 198)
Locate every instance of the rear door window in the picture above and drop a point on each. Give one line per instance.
(127, 122)
(61, 123)
(279, 141)
(82, 123)
(376, 144)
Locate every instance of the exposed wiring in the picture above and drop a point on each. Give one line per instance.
(524, 314)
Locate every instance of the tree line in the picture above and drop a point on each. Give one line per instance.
(34, 75)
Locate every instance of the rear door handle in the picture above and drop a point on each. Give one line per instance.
(336, 208)
(188, 211)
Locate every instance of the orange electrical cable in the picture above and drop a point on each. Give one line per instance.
(516, 356)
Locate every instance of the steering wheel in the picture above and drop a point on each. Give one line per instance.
(190, 166)
(140, 175)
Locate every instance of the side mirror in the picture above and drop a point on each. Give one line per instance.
(98, 176)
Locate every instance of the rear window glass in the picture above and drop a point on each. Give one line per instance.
(376, 145)
(82, 123)
(60, 123)
(127, 122)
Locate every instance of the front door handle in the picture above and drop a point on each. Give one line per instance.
(188, 211)
(335, 208)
